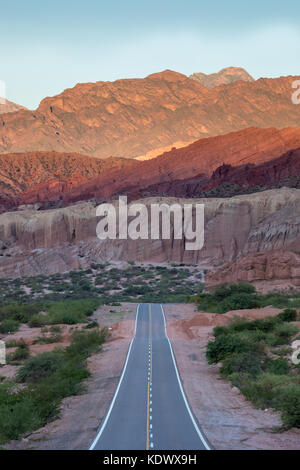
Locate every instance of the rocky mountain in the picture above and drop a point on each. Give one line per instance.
(129, 118)
(196, 161)
(224, 77)
(52, 171)
(33, 242)
(228, 180)
(8, 106)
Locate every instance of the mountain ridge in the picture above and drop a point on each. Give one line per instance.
(128, 118)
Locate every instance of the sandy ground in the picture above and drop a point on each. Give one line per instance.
(228, 420)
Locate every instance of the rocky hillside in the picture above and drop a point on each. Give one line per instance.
(200, 158)
(52, 170)
(224, 77)
(228, 180)
(34, 242)
(128, 118)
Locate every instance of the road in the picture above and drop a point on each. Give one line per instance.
(149, 410)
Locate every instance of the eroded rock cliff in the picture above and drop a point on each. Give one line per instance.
(33, 242)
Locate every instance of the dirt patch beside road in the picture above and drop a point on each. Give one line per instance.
(228, 420)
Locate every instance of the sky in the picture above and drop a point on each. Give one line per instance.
(46, 47)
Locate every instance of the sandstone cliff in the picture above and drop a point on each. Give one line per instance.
(271, 271)
(33, 242)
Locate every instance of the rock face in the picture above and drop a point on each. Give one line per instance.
(224, 77)
(128, 118)
(34, 242)
(228, 180)
(200, 158)
(8, 106)
(275, 270)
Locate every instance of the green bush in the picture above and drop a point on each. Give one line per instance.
(20, 354)
(50, 377)
(289, 404)
(9, 326)
(40, 366)
(277, 366)
(248, 363)
(225, 345)
(288, 315)
(242, 346)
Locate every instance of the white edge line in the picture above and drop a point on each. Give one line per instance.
(118, 388)
(204, 442)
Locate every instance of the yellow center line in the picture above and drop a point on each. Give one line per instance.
(150, 378)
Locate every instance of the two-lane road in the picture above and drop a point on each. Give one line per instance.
(149, 409)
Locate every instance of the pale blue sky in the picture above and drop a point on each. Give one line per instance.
(47, 47)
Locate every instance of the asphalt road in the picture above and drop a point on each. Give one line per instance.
(149, 410)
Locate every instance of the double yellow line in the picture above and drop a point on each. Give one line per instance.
(149, 378)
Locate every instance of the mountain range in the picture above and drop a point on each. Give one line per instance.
(128, 118)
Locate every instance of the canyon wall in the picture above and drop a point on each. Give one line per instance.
(33, 242)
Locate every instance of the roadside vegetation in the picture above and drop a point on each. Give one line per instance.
(70, 298)
(256, 357)
(242, 296)
(33, 398)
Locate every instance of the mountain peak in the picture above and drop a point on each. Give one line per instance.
(168, 75)
(223, 77)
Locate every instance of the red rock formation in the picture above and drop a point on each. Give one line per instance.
(224, 77)
(128, 118)
(50, 176)
(267, 271)
(203, 156)
(282, 171)
(51, 173)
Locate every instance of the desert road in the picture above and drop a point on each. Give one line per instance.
(149, 410)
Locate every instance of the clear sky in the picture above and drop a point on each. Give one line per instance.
(48, 46)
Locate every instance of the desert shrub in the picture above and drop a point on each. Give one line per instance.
(20, 354)
(289, 404)
(50, 377)
(247, 363)
(239, 301)
(225, 345)
(71, 311)
(85, 343)
(242, 346)
(288, 315)
(9, 326)
(37, 321)
(285, 331)
(44, 339)
(40, 366)
(277, 366)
